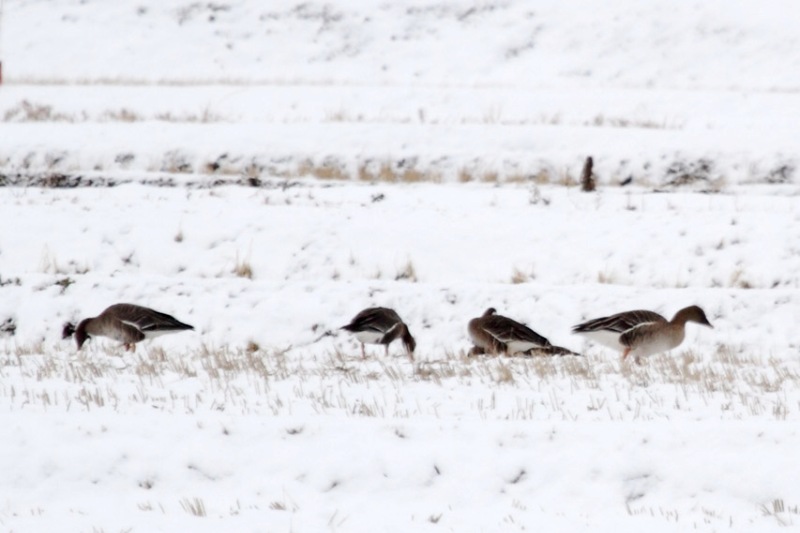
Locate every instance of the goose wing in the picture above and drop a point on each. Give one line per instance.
(619, 323)
(145, 319)
(506, 330)
(377, 319)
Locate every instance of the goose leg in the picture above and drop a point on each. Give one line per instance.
(625, 353)
(363, 352)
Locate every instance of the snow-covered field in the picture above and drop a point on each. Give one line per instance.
(264, 173)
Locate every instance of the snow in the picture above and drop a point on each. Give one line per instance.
(174, 166)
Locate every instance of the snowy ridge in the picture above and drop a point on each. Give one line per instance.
(694, 45)
(265, 170)
(433, 91)
(390, 134)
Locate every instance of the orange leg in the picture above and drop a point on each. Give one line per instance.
(625, 353)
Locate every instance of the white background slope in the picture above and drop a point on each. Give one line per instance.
(512, 88)
(266, 418)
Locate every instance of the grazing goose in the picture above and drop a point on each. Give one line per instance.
(495, 334)
(126, 323)
(380, 325)
(640, 332)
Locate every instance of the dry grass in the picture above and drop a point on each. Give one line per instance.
(465, 176)
(206, 117)
(26, 111)
(121, 115)
(490, 177)
(730, 382)
(390, 172)
(518, 276)
(621, 122)
(407, 273)
(327, 170)
(739, 280)
(242, 268)
(606, 277)
(51, 265)
(194, 506)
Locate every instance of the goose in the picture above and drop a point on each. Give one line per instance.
(380, 325)
(496, 334)
(126, 323)
(641, 332)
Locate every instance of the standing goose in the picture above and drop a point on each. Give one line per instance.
(126, 323)
(641, 332)
(380, 325)
(496, 334)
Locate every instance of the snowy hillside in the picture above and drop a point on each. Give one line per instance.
(265, 170)
(693, 45)
(440, 91)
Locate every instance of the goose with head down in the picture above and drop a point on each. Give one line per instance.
(381, 325)
(126, 323)
(496, 334)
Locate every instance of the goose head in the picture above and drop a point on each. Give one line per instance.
(692, 313)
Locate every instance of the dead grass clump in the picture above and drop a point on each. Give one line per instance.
(175, 162)
(242, 268)
(504, 374)
(490, 177)
(342, 115)
(26, 111)
(465, 176)
(51, 265)
(567, 179)
(122, 115)
(536, 197)
(400, 172)
(621, 122)
(606, 277)
(64, 283)
(386, 172)
(407, 273)
(738, 280)
(328, 170)
(516, 178)
(363, 172)
(194, 506)
(224, 165)
(413, 175)
(776, 508)
(207, 116)
(543, 177)
(682, 172)
(518, 276)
